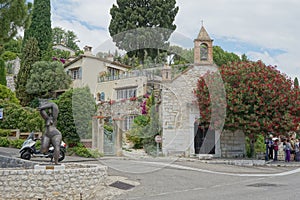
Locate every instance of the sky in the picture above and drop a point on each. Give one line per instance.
(266, 30)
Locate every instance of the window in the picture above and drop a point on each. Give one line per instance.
(128, 122)
(203, 52)
(114, 73)
(126, 93)
(75, 73)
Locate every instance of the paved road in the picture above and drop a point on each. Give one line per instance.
(165, 179)
(194, 181)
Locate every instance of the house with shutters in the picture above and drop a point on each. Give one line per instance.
(86, 69)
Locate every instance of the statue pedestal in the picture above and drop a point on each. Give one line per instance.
(49, 167)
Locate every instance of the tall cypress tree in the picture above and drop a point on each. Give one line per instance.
(29, 57)
(296, 83)
(40, 27)
(142, 27)
(2, 72)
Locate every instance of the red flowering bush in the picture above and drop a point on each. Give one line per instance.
(259, 99)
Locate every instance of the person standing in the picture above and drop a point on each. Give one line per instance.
(287, 151)
(297, 151)
(276, 148)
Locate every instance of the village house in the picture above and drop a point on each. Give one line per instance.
(87, 69)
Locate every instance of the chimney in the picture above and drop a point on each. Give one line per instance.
(87, 50)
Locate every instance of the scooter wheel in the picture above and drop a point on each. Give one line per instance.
(61, 155)
(26, 155)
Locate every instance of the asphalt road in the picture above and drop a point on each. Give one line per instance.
(165, 179)
(194, 181)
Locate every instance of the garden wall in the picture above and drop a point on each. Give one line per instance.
(233, 144)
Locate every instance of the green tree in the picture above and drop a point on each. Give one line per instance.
(13, 15)
(8, 55)
(45, 78)
(13, 46)
(7, 95)
(296, 83)
(76, 108)
(40, 27)
(29, 57)
(2, 72)
(222, 57)
(134, 26)
(259, 99)
(66, 37)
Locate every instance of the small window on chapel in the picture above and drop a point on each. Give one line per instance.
(203, 52)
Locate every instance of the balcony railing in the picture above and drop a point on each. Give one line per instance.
(150, 74)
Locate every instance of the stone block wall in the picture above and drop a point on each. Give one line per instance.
(233, 144)
(9, 162)
(74, 182)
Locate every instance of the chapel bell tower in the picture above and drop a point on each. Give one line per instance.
(203, 49)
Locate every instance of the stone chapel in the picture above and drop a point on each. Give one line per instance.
(179, 111)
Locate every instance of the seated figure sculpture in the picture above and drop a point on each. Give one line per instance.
(51, 136)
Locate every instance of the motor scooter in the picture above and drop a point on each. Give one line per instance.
(28, 149)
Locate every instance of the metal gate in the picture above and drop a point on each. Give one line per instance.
(109, 143)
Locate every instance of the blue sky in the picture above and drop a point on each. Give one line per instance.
(267, 29)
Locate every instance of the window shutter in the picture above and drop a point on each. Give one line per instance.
(80, 73)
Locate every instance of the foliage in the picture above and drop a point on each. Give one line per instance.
(108, 127)
(134, 26)
(4, 133)
(40, 27)
(30, 55)
(17, 117)
(7, 95)
(4, 142)
(8, 55)
(259, 146)
(296, 83)
(65, 37)
(45, 78)
(76, 108)
(145, 128)
(2, 72)
(81, 150)
(259, 99)
(13, 15)
(183, 56)
(222, 57)
(14, 46)
(16, 143)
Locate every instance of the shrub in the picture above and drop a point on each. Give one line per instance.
(82, 151)
(16, 117)
(4, 142)
(4, 133)
(16, 143)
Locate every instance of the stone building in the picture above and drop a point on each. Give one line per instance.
(179, 111)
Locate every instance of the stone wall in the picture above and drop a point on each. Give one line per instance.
(74, 182)
(233, 144)
(9, 162)
(180, 109)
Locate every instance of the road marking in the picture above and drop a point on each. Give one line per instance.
(220, 173)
